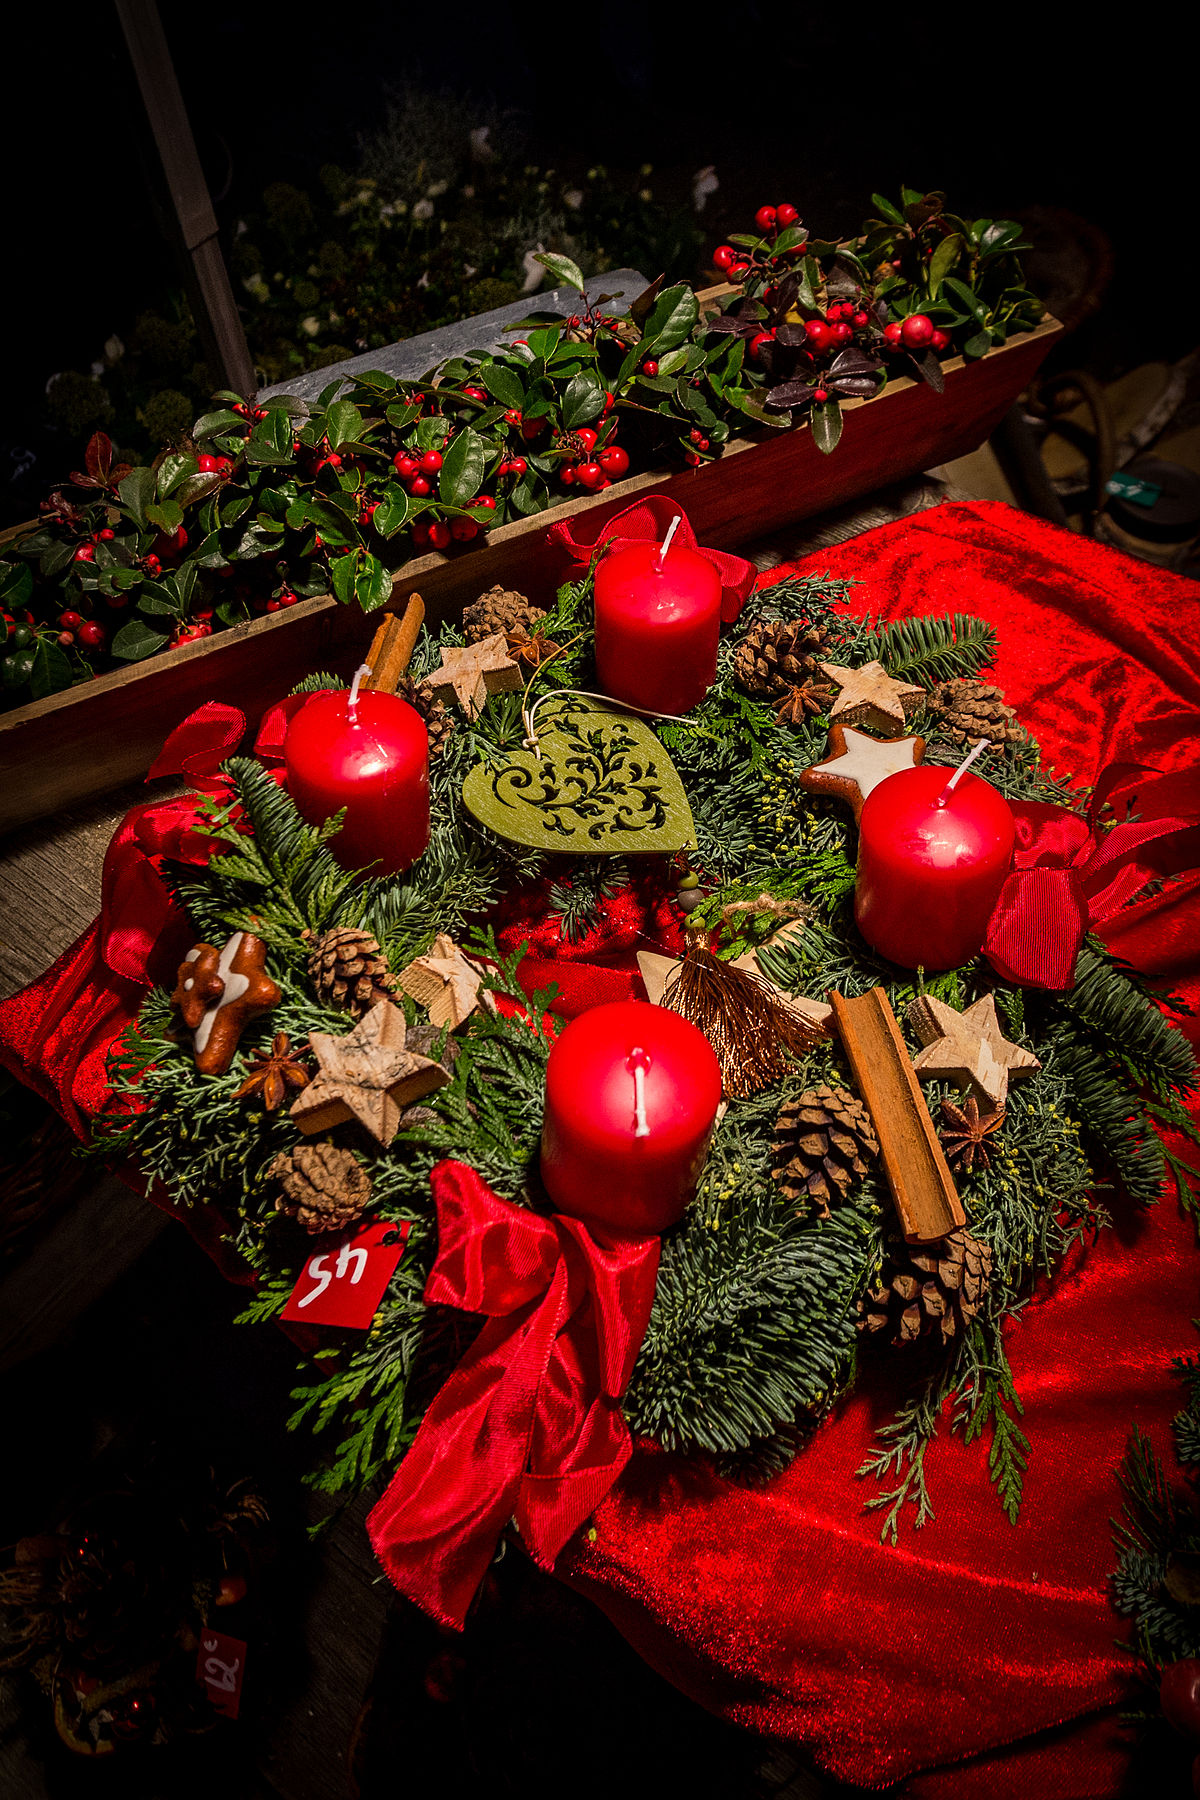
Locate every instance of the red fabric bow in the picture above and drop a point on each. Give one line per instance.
(529, 1427)
(646, 521)
(1068, 878)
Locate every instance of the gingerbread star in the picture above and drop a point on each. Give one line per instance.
(444, 981)
(859, 763)
(967, 1047)
(869, 696)
(218, 992)
(472, 673)
(368, 1075)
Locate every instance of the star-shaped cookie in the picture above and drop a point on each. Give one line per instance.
(367, 1075)
(967, 1047)
(443, 980)
(472, 673)
(869, 696)
(859, 763)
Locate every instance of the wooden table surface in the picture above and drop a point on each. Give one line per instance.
(50, 888)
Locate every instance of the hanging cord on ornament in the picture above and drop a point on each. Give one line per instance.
(746, 1020)
(528, 712)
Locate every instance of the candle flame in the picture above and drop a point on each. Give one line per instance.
(961, 770)
(672, 528)
(352, 705)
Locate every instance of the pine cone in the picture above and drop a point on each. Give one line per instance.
(823, 1141)
(498, 610)
(781, 662)
(975, 709)
(347, 968)
(439, 720)
(928, 1287)
(323, 1186)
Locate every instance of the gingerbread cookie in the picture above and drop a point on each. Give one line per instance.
(857, 763)
(218, 992)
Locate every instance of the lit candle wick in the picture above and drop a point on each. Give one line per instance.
(639, 1062)
(352, 705)
(961, 770)
(672, 528)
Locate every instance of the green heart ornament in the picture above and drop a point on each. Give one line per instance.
(600, 784)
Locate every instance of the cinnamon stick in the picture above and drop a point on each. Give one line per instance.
(923, 1190)
(392, 647)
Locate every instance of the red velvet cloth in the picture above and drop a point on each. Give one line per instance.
(529, 1426)
(780, 1607)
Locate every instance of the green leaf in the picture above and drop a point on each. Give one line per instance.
(16, 585)
(360, 577)
(55, 559)
(136, 640)
(172, 470)
(236, 508)
(967, 298)
(942, 261)
(137, 493)
(977, 346)
(564, 271)
(544, 342)
(673, 317)
(196, 487)
(503, 384)
(582, 400)
(391, 512)
(673, 362)
(51, 670)
(462, 468)
(344, 424)
(826, 423)
(212, 423)
(167, 515)
(886, 210)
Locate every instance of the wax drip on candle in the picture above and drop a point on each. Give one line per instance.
(672, 528)
(352, 703)
(638, 1061)
(961, 770)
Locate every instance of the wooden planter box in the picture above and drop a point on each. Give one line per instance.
(88, 739)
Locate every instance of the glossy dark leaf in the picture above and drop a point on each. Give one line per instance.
(853, 361)
(137, 640)
(641, 308)
(930, 370)
(565, 272)
(841, 281)
(582, 401)
(942, 261)
(720, 325)
(462, 469)
(671, 320)
(790, 393)
(826, 423)
(391, 512)
(16, 585)
(197, 487)
(886, 210)
(137, 493)
(503, 384)
(211, 423)
(792, 337)
(344, 424)
(977, 346)
(51, 670)
(966, 298)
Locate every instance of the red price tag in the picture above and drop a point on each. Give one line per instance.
(343, 1283)
(220, 1666)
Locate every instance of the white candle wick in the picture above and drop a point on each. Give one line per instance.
(362, 669)
(639, 1062)
(961, 770)
(672, 528)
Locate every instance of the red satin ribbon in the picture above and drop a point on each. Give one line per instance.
(646, 521)
(529, 1427)
(1068, 878)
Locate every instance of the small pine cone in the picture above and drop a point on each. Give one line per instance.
(774, 657)
(823, 1142)
(347, 968)
(928, 1287)
(324, 1187)
(975, 709)
(498, 611)
(439, 720)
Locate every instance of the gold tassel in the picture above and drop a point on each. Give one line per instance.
(752, 1030)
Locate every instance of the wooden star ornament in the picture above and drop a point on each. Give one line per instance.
(859, 763)
(471, 673)
(368, 1075)
(870, 696)
(444, 981)
(967, 1047)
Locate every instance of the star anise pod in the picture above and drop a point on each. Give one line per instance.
(530, 647)
(966, 1131)
(274, 1071)
(803, 698)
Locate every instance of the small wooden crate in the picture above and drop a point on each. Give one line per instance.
(89, 739)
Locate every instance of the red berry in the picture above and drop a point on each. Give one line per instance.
(406, 466)
(766, 219)
(230, 1589)
(893, 332)
(273, 605)
(531, 428)
(431, 462)
(841, 333)
(861, 319)
(610, 400)
(785, 215)
(756, 344)
(940, 340)
(587, 437)
(613, 460)
(820, 335)
(692, 458)
(484, 500)
(224, 464)
(649, 367)
(86, 553)
(66, 639)
(512, 416)
(464, 530)
(70, 621)
(106, 535)
(367, 513)
(419, 486)
(738, 267)
(916, 331)
(420, 534)
(820, 395)
(518, 466)
(287, 598)
(589, 475)
(91, 635)
(703, 444)
(834, 312)
(567, 476)
(439, 534)
(238, 407)
(474, 393)
(334, 460)
(206, 464)
(1179, 1695)
(723, 256)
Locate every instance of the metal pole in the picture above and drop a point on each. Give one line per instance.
(216, 313)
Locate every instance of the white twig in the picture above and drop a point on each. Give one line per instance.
(963, 767)
(672, 528)
(352, 704)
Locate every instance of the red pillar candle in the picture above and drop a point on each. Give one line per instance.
(931, 862)
(658, 616)
(368, 753)
(632, 1092)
